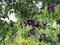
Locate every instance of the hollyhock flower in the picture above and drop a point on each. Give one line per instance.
(36, 25)
(30, 22)
(39, 5)
(12, 17)
(42, 36)
(5, 19)
(31, 32)
(50, 8)
(44, 23)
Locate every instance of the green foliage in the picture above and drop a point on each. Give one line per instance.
(25, 10)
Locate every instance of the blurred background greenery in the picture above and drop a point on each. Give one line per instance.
(16, 33)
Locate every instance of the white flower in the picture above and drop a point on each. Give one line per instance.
(39, 5)
(34, 2)
(12, 9)
(3, 6)
(5, 19)
(17, 1)
(12, 17)
(0, 3)
(3, 2)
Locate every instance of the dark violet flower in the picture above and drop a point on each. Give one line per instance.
(44, 23)
(31, 32)
(30, 22)
(42, 36)
(50, 8)
(36, 25)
